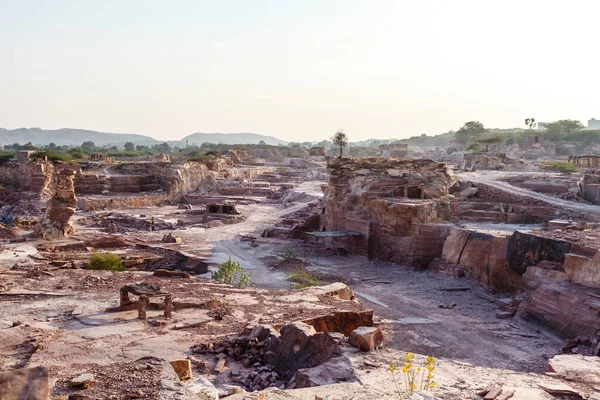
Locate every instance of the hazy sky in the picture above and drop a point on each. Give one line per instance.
(298, 70)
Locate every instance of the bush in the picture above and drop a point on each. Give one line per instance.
(288, 254)
(231, 273)
(108, 261)
(563, 150)
(560, 166)
(303, 279)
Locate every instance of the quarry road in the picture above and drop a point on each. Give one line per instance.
(491, 178)
(421, 313)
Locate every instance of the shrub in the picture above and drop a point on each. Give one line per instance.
(303, 279)
(560, 166)
(231, 273)
(107, 261)
(288, 253)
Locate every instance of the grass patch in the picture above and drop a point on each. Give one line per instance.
(302, 278)
(108, 262)
(560, 166)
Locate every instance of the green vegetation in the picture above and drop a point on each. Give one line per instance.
(231, 273)
(560, 166)
(491, 140)
(470, 131)
(288, 253)
(340, 139)
(411, 374)
(303, 279)
(107, 261)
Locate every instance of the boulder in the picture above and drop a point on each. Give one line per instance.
(169, 238)
(576, 368)
(333, 371)
(30, 384)
(526, 249)
(469, 192)
(299, 346)
(83, 380)
(366, 338)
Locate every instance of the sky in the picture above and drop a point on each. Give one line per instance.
(298, 70)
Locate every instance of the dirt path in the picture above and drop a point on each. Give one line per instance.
(491, 178)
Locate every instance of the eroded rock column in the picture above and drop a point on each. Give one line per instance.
(61, 207)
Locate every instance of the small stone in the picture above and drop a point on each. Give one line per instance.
(183, 368)
(84, 380)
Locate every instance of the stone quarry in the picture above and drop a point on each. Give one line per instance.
(487, 273)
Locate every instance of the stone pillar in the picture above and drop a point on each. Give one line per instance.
(168, 305)
(142, 303)
(124, 297)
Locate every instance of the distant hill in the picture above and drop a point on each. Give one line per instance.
(230, 138)
(72, 137)
(75, 137)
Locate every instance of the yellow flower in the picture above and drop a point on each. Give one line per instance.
(431, 384)
(429, 367)
(406, 368)
(430, 360)
(430, 376)
(413, 386)
(392, 368)
(409, 357)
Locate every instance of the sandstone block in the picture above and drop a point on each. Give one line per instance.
(83, 380)
(183, 368)
(366, 338)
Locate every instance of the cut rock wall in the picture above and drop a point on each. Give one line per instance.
(387, 201)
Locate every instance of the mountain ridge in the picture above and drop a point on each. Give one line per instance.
(75, 137)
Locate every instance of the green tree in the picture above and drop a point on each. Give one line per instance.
(469, 131)
(530, 122)
(51, 145)
(129, 146)
(88, 146)
(162, 148)
(340, 139)
(491, 140)
(556, 131)
(262, 142)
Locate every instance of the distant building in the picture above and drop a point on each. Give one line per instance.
(593, 123)
(161, 158)
(23, 155)
(531, 139)
(588, 160)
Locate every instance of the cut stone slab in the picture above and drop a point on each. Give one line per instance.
(576, 368)
(183, 368)
(560, 389)
(83, 380)
(30, 384)
(366, 338)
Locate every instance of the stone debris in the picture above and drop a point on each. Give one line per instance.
(83, 380)
(169, 238)
(366, 338)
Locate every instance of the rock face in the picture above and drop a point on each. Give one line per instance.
(57, 222)
(525, 249)
(483, 258)
(30, 384)
(567, 309)
(299, 346)
(384, 200)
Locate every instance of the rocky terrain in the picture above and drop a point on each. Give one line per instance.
(360, 272)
